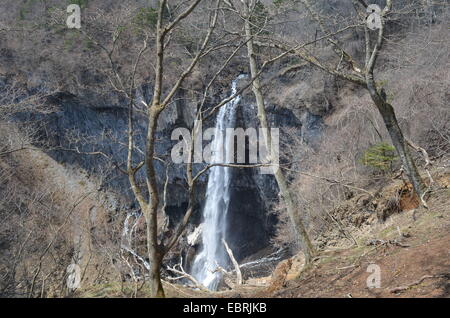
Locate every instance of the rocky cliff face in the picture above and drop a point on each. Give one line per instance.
(295, 104)
(83, 134)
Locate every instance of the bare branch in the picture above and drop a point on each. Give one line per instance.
(235, 263)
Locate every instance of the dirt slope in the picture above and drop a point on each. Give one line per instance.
(413, 257)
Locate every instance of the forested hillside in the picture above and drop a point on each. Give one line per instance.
(224, 148)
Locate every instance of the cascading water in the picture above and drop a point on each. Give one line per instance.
(215, 210)
(127, 236)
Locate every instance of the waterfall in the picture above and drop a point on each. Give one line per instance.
(213, 253)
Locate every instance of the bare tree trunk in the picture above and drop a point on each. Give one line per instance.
(398, 140)
(154, 252)
(155, 258)
(387, 111)
(156, 288)
(293, 212)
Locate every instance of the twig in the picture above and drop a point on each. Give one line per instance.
(418, 282)
(183, 274)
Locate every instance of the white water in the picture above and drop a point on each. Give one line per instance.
(213, 253)
(127, 236)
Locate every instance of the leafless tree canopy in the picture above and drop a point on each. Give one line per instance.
(350, 88)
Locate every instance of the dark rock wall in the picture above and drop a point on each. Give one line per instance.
(78, 127)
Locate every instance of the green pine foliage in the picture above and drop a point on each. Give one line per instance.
(380, 156)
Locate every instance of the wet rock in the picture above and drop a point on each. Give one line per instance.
(195, 237)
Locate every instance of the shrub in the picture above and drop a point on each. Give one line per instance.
(380, 156)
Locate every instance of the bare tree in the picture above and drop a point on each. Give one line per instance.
(164, 90)
(158, 104)
(15, 99)
(293, 211)
(362, 76)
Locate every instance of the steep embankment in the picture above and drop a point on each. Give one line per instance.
(84, 210)
(411, 249)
